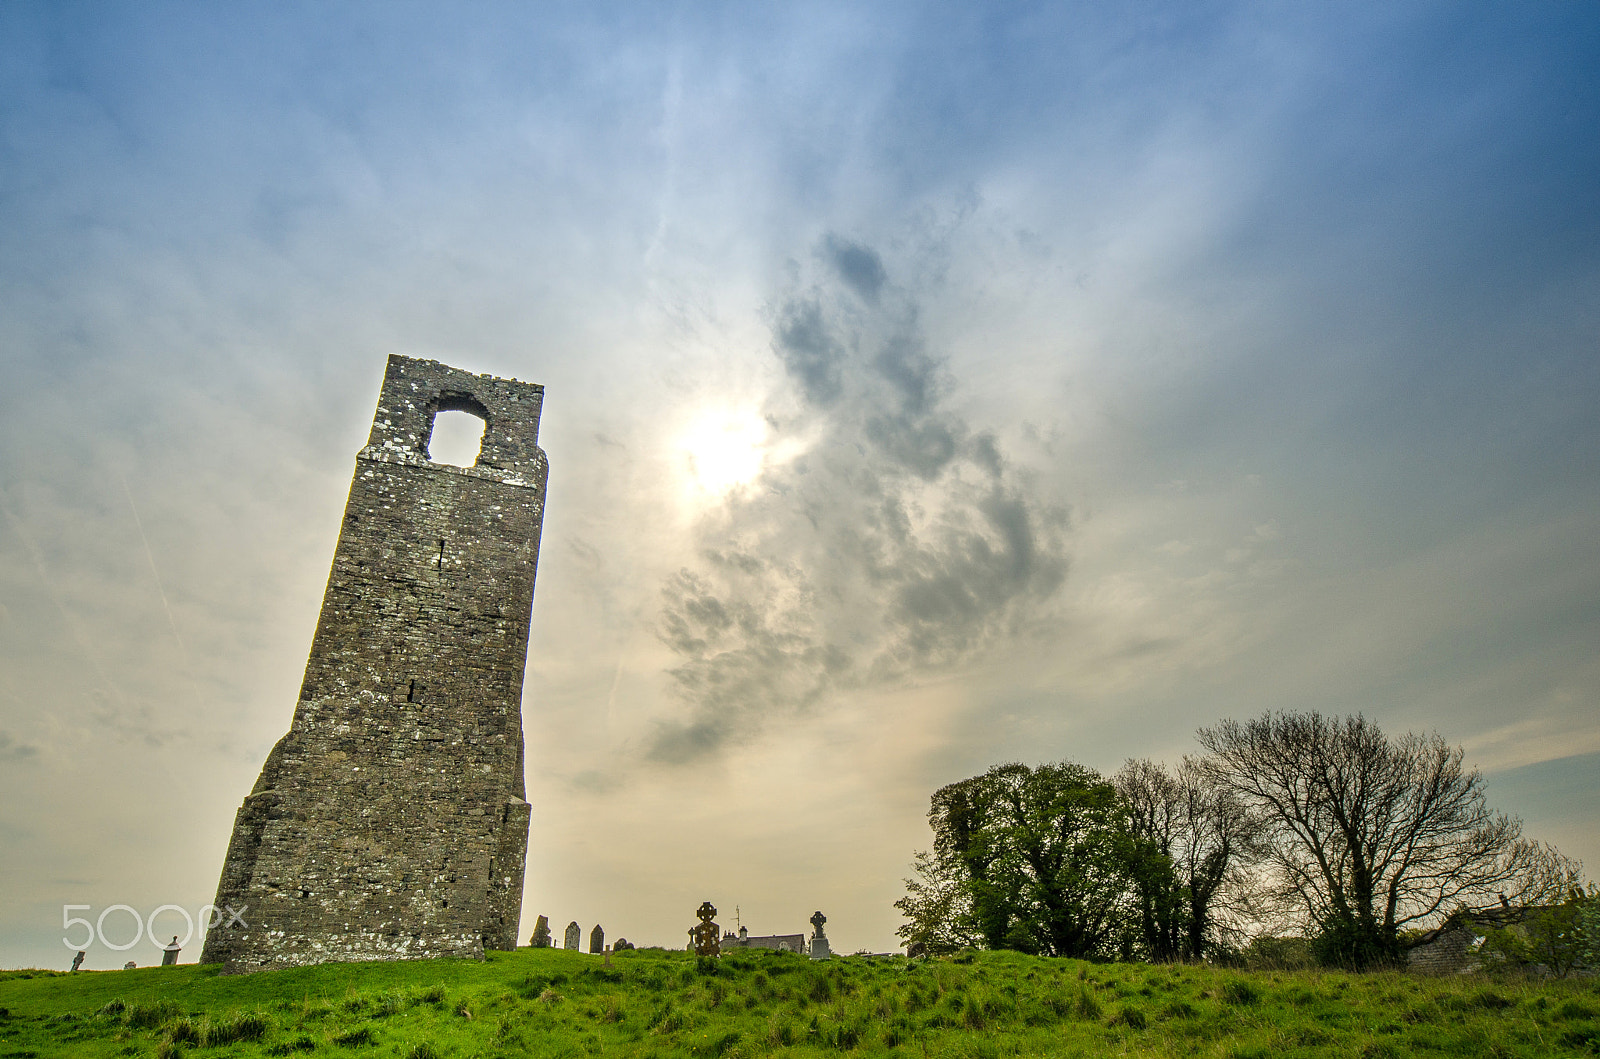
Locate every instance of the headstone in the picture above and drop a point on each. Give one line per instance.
(77, 961)
(703, 935)
(541, 933)
(621, 945)
(597, 939)
(574, 937)
(819, 940)
(130, 965)
(169, 953)
(916, 950)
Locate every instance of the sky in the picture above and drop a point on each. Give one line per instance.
(928, 386)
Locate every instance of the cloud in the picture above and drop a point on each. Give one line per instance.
(11, 750)
(859, 266)
(899, 540)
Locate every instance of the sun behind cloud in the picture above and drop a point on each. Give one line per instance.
(723, 449)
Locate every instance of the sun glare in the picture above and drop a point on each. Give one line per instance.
(723, 449)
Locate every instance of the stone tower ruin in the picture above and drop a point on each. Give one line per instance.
(391, 822)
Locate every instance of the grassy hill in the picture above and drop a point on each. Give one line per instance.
(654, 1003)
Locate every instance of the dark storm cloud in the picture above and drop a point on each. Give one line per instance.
(899, 541)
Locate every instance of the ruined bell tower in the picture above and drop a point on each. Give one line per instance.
(391, 821)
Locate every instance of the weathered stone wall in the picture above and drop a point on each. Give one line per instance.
(391, 821)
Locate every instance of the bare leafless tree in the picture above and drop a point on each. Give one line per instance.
(1209, 836)
(1372, 833)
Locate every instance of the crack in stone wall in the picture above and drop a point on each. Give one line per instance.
(391, 822)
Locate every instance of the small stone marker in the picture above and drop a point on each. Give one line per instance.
(597, 940)
(574, 937)
(169, 953)
(819, 940)
(541, 933)
(705, 939)
(130, 965)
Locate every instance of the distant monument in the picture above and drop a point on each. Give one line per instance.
(819, 940)
(391, 821)
(169, 953)
(574, 937)
(541, 933)
(703, 937)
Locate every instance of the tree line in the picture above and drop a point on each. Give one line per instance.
(1292, 823)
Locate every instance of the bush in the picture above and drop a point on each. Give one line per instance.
(1354, 947)
(1277, 954)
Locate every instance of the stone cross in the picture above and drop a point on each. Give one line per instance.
(574, 938)
(707, 939)
(597, 939)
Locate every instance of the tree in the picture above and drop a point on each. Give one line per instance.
(1556, 912)
(1196, 839)
(937, 907)
(1040, 859)
(1372, 834)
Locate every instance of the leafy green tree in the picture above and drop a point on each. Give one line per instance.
(1554, 937)
(937, 907)
(1041, 858)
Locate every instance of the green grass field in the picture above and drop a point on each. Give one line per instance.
(653, 1003)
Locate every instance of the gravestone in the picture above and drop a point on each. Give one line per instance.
(574, 938)
(597, 939)
(704, 936)
(391, 822)
(169, 953)
(541, 933)
(819, 940)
